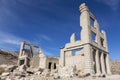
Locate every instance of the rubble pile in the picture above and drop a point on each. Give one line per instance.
(67, 71)
(12, 72)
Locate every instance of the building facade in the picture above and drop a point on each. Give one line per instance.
(90, 54)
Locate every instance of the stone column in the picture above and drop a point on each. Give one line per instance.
(97, 62)
(89, 68)
(32, 51)
(108, 64)
(21, 51)
(21, 48)
(18, 63)
(62, 58)
(102, 63)
(105, 40)
(52, 66)
(25, 63)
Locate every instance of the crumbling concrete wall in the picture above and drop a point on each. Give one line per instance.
(47, 62)
(35, 62)
(76, 59)
(93, 57)
(27, 51)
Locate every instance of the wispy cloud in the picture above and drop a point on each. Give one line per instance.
(47, 53)
(9, 38)
(44, 37)
(114, 4)
(9, 41)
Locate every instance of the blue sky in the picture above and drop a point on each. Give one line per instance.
(49, 23)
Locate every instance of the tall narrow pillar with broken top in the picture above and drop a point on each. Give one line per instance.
(85, 37)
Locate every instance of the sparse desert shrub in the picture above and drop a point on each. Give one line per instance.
(1, 70)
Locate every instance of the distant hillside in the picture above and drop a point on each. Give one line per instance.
(115, 66)
(8, 57)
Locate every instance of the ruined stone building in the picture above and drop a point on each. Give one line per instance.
(90, 54)
(32, 56)
(27, 52)
(48, 62)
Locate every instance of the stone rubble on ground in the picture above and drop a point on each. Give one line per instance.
(67, 73)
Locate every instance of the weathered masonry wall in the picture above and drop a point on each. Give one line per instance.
(35, 62)
(90, 54)
(47, 62)
(26, 54)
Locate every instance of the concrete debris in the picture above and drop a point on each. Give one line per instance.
(67, 71)
(3, 66)
(5, 74)
(22, 68)
(10, 68)
(30, 71)
(63, 73)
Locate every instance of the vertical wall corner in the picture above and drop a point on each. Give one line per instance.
(72, 38)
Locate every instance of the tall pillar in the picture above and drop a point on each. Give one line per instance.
(18, 63)
(102, 63)
(25, 63)
(108, 64)
(62, 58)
(89, 65)
(97, 62)
(85, 23)
(21, 52)
(52, 66)
(21, 48)
(32, 51)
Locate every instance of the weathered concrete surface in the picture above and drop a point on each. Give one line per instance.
(48, 62)
(90, 54)
(27, 51)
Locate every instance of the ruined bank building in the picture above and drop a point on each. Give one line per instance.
(89, 55)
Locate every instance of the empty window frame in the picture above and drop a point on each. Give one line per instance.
(35, 51)
(102, 42)
(26, 47)
(27, 50)
(92, 21)
(93, 36)
(22, 62)
(76, 50)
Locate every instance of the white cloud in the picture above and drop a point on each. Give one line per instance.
(41, 39)
(47, 53)
(9, 39)
(114, 4)
(11, 42)
(44, 37)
